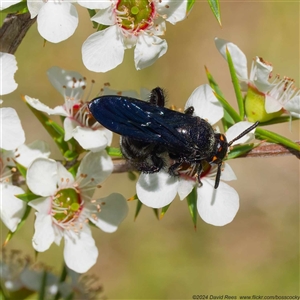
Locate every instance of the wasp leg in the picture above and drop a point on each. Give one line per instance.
(189, 110)
(199, 172)
(143, 156)
(157, 97)
(173, 170)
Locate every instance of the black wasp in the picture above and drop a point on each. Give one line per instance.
(152, 136)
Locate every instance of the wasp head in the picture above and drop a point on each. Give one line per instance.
(220, 149)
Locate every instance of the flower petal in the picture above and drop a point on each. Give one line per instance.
(97, 166)
(42, 177)
(174, 11)
(272, 104)
(227, 173)
(9, 67)
(80, 251)
(185, 187)
(237, 129)
(12, 132)
(62, 26)
(44, 233)
(156, 190)
(293, 106)
(34, 7)
(103, 50)
(12, 209)
(113, 210)
(35, 103)
(95, 4)
(68, 83)
(205, 103)
(217, 206)
(6, 4)
(238, 57)
(94, 140)
(260, 74)
(69, 126)
(105, 16)
(42, 205)
(64, 177)
(26, 154)
(148, 49)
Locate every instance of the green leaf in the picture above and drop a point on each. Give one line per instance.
(74, 168)
(236, 85)
(190, 4)
(132, 176)
(70, 155)
(138, 208)
(272, 137)
(21, 169)
(42, 291)
(54, 130)
(226, 120)
(62, 278)
(20, 8)
(240, 150)
(232, 113)
(114, 151)
(27, 197)
(164, 210)
(278, 120)
(156, 212)
(92, 12)
(101, 27)
(215, 7)
(10, 233)
(192, 204)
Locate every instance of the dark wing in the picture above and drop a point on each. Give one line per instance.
(142, 121)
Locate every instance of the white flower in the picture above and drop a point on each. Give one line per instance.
(131, 23)
(56, 20)
(280, 94)
(78, 122)
(12, 135)
(82, 286)
(66, 205)
(12, 209)
(8, 64)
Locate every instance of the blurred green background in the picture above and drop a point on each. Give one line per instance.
(258, 253)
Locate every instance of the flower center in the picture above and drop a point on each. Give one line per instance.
(66, 205)
(135, 15)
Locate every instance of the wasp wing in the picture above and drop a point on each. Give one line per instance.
(142, 121)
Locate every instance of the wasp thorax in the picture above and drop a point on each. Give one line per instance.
(66, 205)
(135, 15)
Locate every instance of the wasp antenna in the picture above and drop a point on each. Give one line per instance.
(217, 180)
(244, 133)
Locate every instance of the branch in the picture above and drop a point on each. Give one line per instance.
(272, 150)
(264, 150)
(13, 30)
